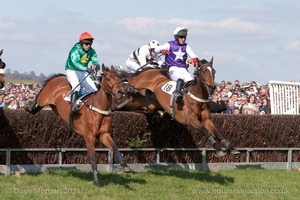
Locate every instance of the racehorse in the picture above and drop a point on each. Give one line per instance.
(155, 92)
(2, 71)
(93, 120)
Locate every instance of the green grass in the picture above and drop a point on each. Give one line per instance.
(154, 184)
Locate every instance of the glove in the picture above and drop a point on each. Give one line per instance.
(165, 52)
(194, 60)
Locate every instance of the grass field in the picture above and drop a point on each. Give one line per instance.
(154, 184)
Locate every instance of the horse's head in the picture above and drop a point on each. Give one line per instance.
(2, 71)
(205, 74)
(110, 82)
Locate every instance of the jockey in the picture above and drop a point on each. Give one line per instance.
(77, 70)
(177, 52)
(144, 56)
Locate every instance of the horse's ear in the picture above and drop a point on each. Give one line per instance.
(104, 69)
(112, 68)
(1, 52)
(212, 60)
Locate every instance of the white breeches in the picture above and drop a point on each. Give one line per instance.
(176, 73)
(131, 66)
(75, 77)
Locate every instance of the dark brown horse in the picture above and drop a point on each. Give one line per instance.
(155, 92)
(93, 120)
(2, 71)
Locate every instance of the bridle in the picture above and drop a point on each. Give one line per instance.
(208, 88)
(109, 90)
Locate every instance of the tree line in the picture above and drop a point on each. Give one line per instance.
(31, 76)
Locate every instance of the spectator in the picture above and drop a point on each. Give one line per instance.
(235, 97)
(219, 90)
(223, 83)
(242, 103)
(216, 104)
(251, 107)
(230, 107)
(236, 84)
(6, 101)
(260, 107)
(229, 86)
(1, 102)
(13, 104)
(266, 107)
(236, 111)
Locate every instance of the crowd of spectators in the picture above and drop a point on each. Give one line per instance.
(228, 98)
(14, 96)
(233, 98)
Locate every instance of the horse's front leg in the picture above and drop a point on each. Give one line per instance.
(90, 143)
(208, 124)
(197, 124)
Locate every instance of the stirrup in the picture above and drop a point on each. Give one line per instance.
(179, 97)
(76, 107)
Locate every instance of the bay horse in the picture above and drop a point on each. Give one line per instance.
(94, 119)
(2, 71)
(157, 89)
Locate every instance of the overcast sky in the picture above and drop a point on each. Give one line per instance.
(249, 40)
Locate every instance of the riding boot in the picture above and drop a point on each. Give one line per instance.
(75, 106)
(178, 93)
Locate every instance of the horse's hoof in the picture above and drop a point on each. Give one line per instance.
(221, 153)
(97, 184)
(235, 152)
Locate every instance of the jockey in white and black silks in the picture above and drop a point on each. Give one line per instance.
(144, 56)
(76, 67)
(177, 53)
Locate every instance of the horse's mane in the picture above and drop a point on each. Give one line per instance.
(52, 77)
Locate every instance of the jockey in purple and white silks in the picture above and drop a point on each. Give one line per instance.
(177, 53)
(144, 56)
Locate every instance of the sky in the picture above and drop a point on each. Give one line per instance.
(249, 40)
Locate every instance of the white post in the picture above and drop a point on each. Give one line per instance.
(284, 97)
